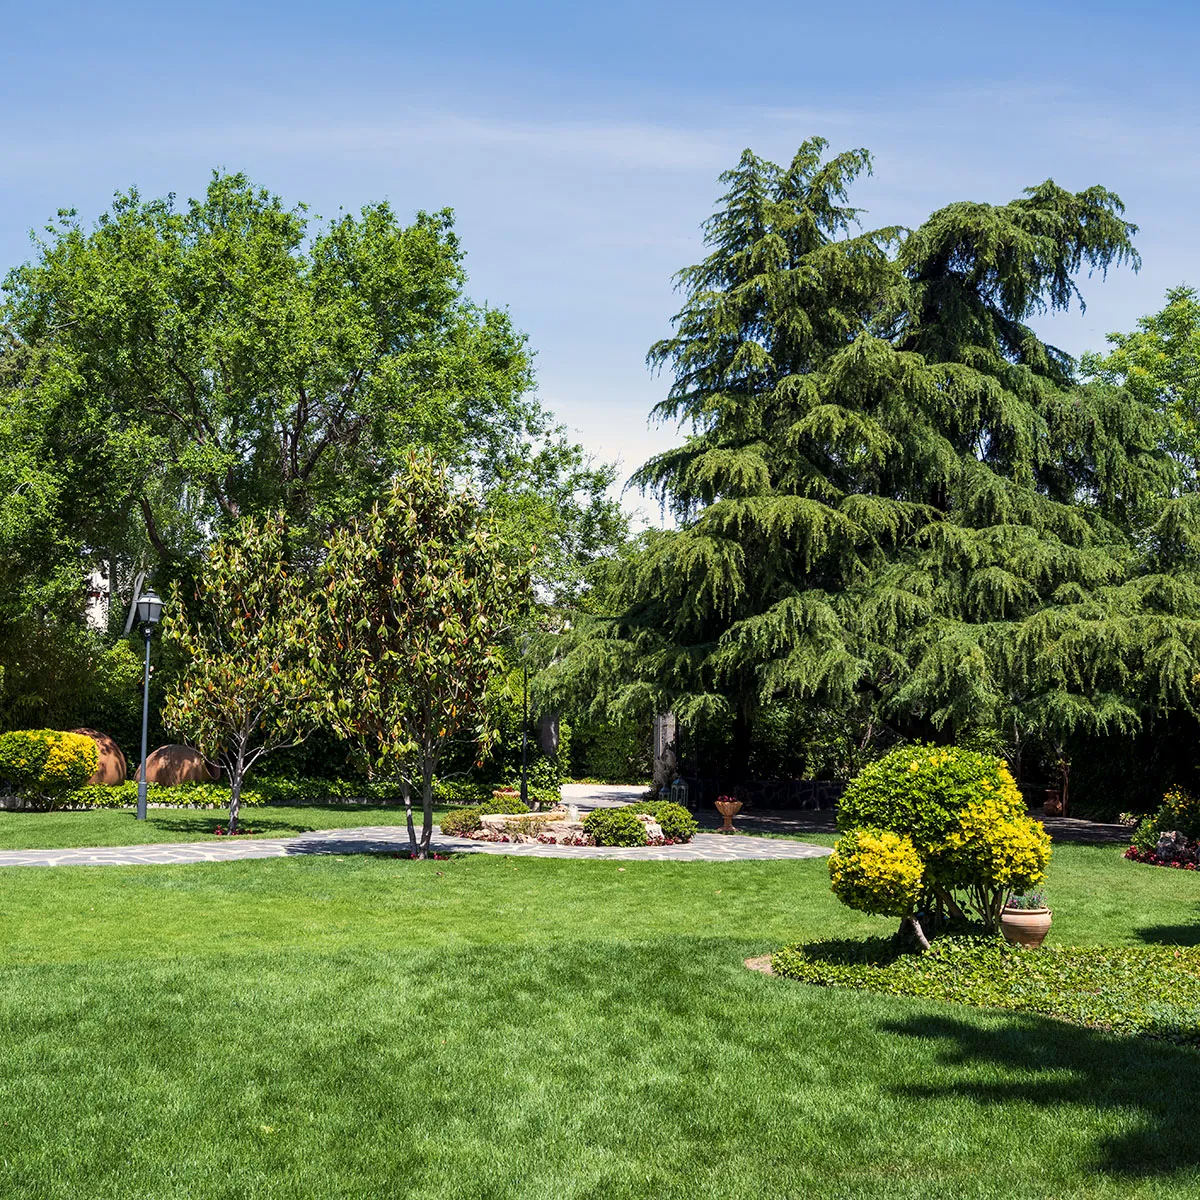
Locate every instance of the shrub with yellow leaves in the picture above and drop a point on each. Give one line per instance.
(965, 818)
(41, 765)
(877, 871)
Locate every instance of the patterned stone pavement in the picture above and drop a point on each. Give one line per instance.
(393, 839)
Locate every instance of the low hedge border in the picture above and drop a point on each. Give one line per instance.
(267, 791)
(1148, 991)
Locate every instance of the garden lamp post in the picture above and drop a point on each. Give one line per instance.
(149, 609)
(525, 734)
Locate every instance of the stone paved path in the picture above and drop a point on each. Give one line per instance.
(392, 839)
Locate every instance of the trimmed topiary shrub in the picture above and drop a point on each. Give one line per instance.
(615, 827)
(965, 819)
(876, 871)
(503, 804)
(677, 823)
(462, 821)
(43, 765)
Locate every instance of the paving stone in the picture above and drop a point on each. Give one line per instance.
(385, 839)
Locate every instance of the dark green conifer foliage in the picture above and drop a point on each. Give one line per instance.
(894, 497)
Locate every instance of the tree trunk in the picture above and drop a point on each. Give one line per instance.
(235, 790)
(406, 792)
(426, 806)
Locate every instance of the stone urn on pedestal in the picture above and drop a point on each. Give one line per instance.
(729, 808)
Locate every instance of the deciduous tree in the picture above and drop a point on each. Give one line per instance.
(419, 592)
(247, 633)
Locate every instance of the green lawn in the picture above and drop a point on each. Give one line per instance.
(486, 1026)
(52, 831)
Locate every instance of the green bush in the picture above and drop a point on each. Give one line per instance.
(179, 795)
(43, 765)
(677, 823)
(876, 871)
(1149, 990)
(965, 818)
(503, 804)
(462, 821)
(460, 791)
(615, 827)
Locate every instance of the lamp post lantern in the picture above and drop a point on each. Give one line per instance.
(149, 610)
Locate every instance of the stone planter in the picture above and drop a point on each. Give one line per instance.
(728, 810)
(1025, 926)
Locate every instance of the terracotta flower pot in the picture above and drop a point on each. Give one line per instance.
(1025, 926)
(728, 809)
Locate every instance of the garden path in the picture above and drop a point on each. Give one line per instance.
(393, 839)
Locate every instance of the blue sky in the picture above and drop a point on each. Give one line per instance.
(580, 145)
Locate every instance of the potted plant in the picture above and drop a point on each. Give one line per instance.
(728, 807)
(1025, 919)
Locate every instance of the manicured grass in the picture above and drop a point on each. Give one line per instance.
(55, 830)
(488, 1026)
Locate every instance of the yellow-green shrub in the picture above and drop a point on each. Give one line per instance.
(965, 818)
(40, 765)
(877, 871)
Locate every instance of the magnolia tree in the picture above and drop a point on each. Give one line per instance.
(247, 686)
(418, 593)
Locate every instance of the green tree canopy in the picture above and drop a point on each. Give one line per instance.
(894, 497)
(185, 365)
(1159, 362)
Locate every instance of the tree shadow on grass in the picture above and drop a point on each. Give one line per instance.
(1172, 935)
(205, 826)
(1057, 1065)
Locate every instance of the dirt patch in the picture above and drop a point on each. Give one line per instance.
(761, 962)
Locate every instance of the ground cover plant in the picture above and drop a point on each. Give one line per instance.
(1151, 990)
(369, 1026)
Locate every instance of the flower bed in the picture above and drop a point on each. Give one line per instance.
(1153, 859)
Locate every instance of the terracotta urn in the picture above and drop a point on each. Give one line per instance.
(728, 808)
(110, 762)
(1053, 806)
(1025, 926)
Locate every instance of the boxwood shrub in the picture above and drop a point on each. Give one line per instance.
(615, 827)
(42, 766)
(677, 823)
(461, 821)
